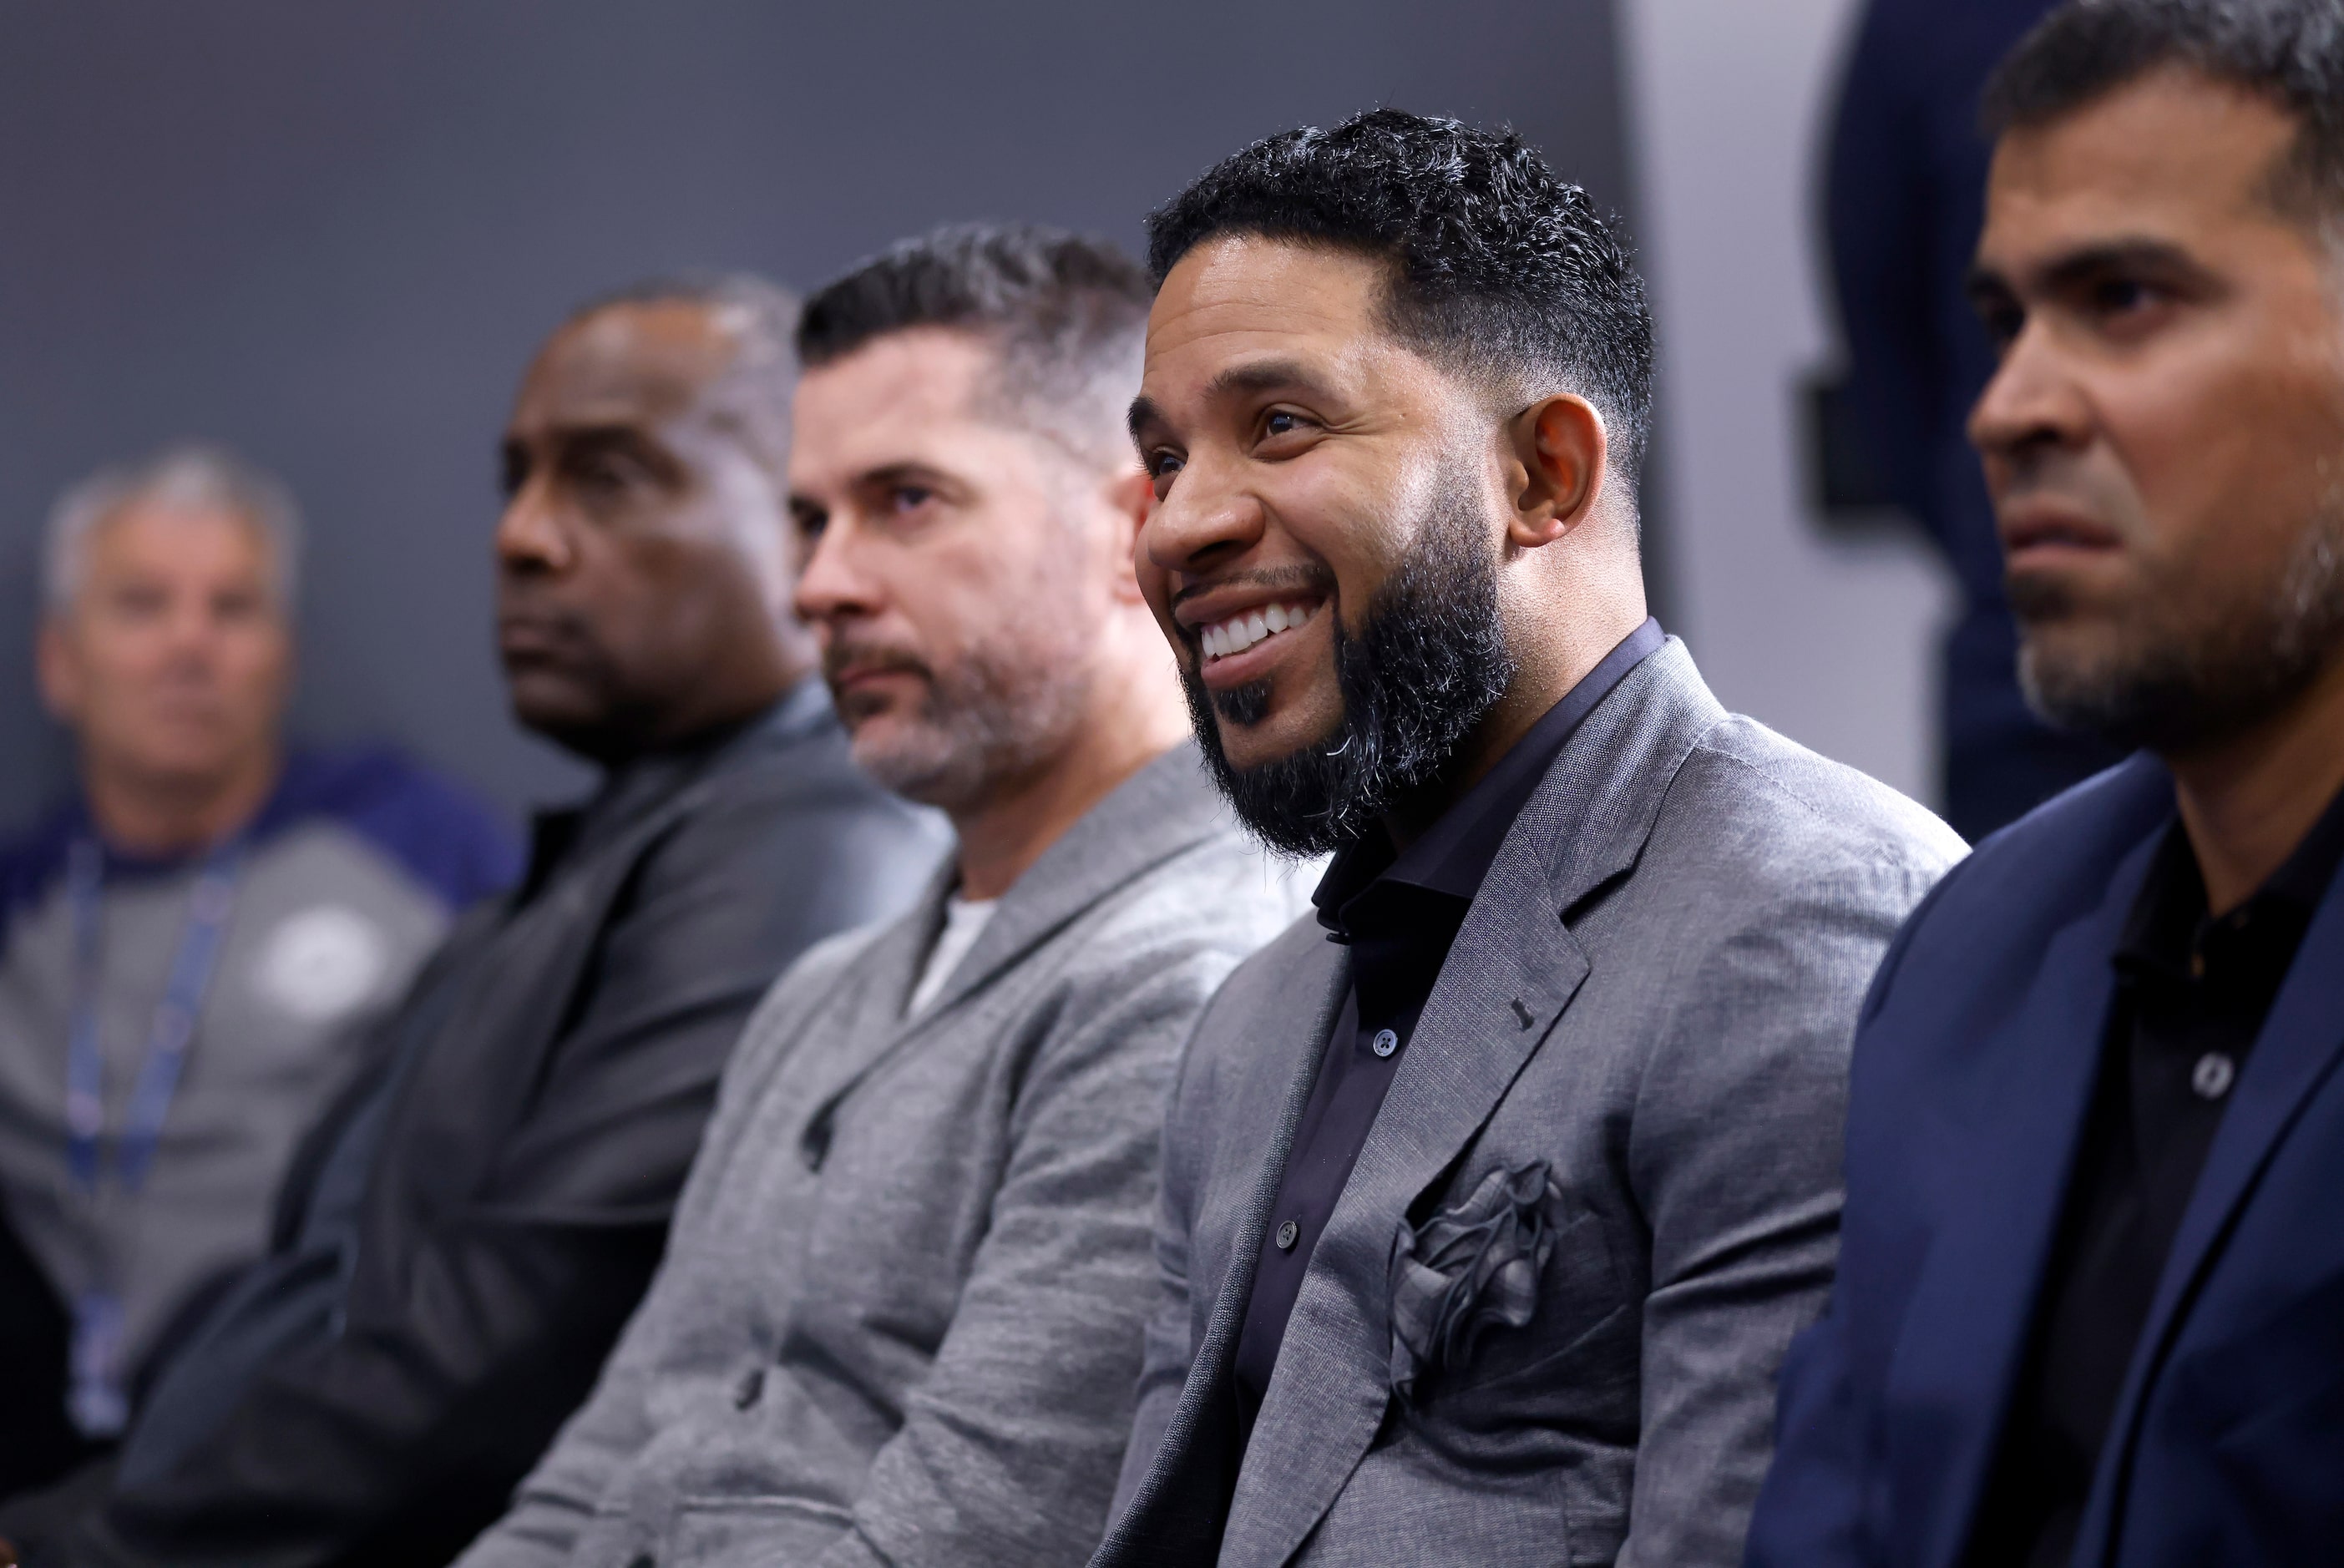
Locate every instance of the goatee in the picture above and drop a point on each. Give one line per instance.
(1430, 662)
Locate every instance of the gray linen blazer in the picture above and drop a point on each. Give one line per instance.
(1543, 1322)
(900, 1316)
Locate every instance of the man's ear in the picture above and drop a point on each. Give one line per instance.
(1128, 496)
(1562, 447)
(60, 674)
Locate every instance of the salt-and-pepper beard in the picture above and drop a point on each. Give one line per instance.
(2200, 672)
(1430, 662)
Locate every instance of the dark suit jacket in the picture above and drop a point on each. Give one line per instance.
(546, 1086)
(1973, 1067)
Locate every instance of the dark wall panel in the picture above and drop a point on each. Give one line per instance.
(330, 235)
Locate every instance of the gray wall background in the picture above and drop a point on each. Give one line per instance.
(330, 235)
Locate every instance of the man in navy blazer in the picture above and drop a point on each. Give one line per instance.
(2090, 1307)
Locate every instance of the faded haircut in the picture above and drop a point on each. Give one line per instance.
(2287, 52)
(1498, 268)
(1065, 315)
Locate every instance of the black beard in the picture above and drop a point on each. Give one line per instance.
(1430, 662)
(2193, 678)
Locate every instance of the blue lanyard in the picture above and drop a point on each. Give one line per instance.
(208, 907)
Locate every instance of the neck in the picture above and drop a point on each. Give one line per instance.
(2249, 800)
(1127, 725)
(164, 816)
(1567, 648)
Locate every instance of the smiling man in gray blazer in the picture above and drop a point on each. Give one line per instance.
(1494, 1193)
(900, 1317)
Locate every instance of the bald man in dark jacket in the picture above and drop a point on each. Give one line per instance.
(465, 1236)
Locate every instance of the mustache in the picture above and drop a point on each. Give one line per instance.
(845, 656)
(1312, 578)
(543, 620)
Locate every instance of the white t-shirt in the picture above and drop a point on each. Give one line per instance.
(964, 923)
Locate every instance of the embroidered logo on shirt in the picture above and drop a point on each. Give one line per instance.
(322, 963)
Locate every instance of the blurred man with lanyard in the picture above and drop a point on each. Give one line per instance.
(468, 1229)
(186, 946)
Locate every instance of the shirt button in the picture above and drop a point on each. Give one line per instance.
(1288, 1235)
(1385, 1043)
(750, 1388)
(2213, 1075)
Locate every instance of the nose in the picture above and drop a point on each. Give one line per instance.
(193, 621)
(832, 581)
(1205, 519)
(2033, 405)
(530, 536)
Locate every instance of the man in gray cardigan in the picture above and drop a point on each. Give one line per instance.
(1492, 1194)
(899, 1320)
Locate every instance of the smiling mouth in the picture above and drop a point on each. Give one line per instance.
(1248, 630)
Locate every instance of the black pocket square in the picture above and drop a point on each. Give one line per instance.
(1473, 1267)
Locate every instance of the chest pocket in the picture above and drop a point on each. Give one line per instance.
(1504, 1283)
(742, 1532)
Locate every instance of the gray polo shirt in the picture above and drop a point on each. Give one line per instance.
(352, 874)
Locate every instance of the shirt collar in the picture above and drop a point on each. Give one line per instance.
(633, 789)
(1455, 854)
(2303, 881)
(2170, 918)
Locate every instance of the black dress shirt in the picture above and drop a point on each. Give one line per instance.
(1397, 913)
(2192, 992)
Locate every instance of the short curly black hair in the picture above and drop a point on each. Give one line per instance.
(1499, 268)
(1066, 315)
(2289, 51)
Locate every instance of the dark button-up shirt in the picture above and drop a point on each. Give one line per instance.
(2192, 992)
(1399, 912)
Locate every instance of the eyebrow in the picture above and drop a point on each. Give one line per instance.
(1144, 413)
(1254, 376)
(601, 434)
(905, 473)
(2073, 267)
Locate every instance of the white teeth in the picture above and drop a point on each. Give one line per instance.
(1240, 632)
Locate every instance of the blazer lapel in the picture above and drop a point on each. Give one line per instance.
(1976, 1295)
(2299, 1047)
(1166, 807)
(1511, 975)
(869, 998)
(1177, 1515)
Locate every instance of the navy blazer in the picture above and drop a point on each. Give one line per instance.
(1974, 1065)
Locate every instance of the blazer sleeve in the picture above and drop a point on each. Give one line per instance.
(1735, 1158)
(399, 1439)
(1007, 1457)
(1810, 1511)
(1169, 1347)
